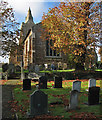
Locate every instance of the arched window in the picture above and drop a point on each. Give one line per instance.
(49, 51)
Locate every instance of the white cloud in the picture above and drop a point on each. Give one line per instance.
(22, 6)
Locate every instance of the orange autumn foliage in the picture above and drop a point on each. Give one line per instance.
(69, 26)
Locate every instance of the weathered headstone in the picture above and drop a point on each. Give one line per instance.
(26, 84)
(43, 82)
(11, 68)
(92, 82)
(93, 95)
(49, 67)
(60, 66)
(76, 85)
(64, 66)
(18, 68)
(73, 99)
(38, 103)
(4, 76)
(42, 67)
(57, 82)
(52, 66)
(31, 67)
(36, 68)
(4, 67)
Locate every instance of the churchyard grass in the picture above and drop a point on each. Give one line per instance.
(0, 69)
(57, 99)
(54, 71)
(98, 70)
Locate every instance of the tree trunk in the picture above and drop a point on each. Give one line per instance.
(79, 66)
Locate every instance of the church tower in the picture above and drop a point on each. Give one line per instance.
(29, 16)
(25, 27)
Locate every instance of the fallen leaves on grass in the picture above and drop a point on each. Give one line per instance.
(16, 107)
(2, 82)
(84, 116)
(47, 117)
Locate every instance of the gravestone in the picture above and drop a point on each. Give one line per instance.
(26, 84)
(11, 68)
(43, 82)
(4, 76)
(92, 82)
(31, 67)
(93, 95)
(4, 67)
(60, 66)
(52, 66)
(76, 85)
(49, 67)
(42, 67)
(36, 68)
(38, 103)
(64, 66)
(73, 99)
(18, 68)
(57, 82)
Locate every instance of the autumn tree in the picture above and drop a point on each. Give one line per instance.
(70, 27)
(9, 29)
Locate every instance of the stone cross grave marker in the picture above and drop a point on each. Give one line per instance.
(73, 99)
(57, 82)
(38, 103)
(43, 82)
(76, 85)
(26, 84)
(93, 95)
(92, 82)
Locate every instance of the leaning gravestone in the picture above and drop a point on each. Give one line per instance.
(76, 85)
(73, 99)
(26, 84)
(93, 95)
(43, 82)
(92, 82)
(57, 82)
(38, 103)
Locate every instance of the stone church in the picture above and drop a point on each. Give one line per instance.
(36, 51)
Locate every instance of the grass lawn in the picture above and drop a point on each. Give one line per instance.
(55, 95)
(0, 69)
(69, 70)
(54, 71)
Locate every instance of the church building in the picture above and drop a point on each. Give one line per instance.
(37, 51)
